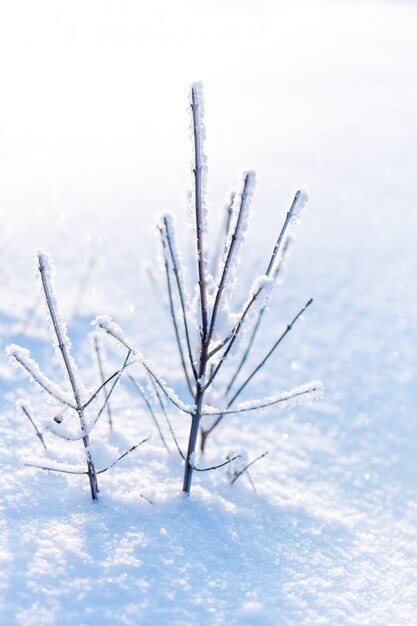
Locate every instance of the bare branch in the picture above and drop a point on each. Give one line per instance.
(182, 301)
(312, 390)
(63, 344)
(244, 200)
(103, 379)
(22, 357)
(107, 398)
(245, 469)
(168, 421)
(262, 310)
(26, 412)
(221, 248)
(168, 392)
(235, 333)
(122, 456)
(214, 467)
(54, 469)
(144, 396)
(283, 230)
(271, 351)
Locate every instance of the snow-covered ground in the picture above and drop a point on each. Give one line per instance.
(93, 143)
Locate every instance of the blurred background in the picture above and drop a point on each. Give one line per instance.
(94, 124)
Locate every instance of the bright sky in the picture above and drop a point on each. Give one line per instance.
(93, 105)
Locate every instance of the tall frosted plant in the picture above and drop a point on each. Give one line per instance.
(208, 332)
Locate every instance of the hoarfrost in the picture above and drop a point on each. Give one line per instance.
(21, 356)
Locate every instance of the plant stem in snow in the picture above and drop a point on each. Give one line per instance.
(182, 302)
(144, 396)
(221, 248)
(103, 380)
(229, 256)
(91, 471)
(245, 469)
(26, 412)
(205, 433)
(259, 319)
(196, 104)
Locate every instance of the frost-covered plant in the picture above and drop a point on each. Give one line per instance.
(207, 329)
(72, 395)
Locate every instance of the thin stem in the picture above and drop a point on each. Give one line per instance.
(112, 388)
(161, 385)
(55, 469)
(182, 302)
(47, 388)
(229, 256)
(263, 404)
(282, 232)
(62, 347)
(221, 247)
(275, 251)
(271, 351)
(245, 469)
(31, 420)
(103, 380)
(254, 371)
(122, 456)
(259, 320)
(214, 467)
(233, 337)
(168, 421)
(189, 464)
(106, 382)
(144, 396)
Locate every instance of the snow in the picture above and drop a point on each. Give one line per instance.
(303, 91)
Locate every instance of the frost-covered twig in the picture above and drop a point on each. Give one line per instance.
(277, 271)
(56, 469)
(235, 241)
(167, 390)
(168, 421)
(26, 411)
(206, 432)
(105, 469)
(103, 379)
(107, 325)
(145, 398)
(262, 285)
(23, 358)
(271, 351)
(109, 393)
(215, 467)
(245, 469)
(62, 347)
(309, 391)
(168, 245)
(122, 456)
(300, 200)
(221, 248)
